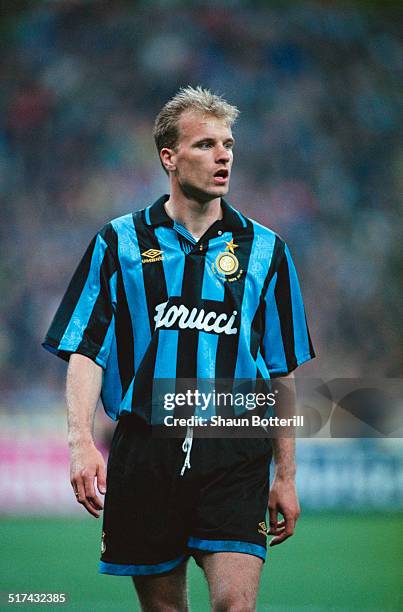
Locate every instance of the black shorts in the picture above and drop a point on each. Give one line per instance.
(154, 518)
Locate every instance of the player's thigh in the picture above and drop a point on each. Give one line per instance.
(163, 593)
(233, 580)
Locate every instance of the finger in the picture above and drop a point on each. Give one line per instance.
(90, 508)
(88, 505)
(276, 530)
(273, 518)
(101, 479)
(287, 533)
(78, 488)
(277, 540)
(79, 491)
(90, 494)
(95, 502)
(278, 525)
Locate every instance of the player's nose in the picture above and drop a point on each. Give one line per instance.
(223, 154)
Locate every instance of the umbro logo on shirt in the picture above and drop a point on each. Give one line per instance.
(151, 255)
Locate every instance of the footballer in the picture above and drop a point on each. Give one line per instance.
(187, 288)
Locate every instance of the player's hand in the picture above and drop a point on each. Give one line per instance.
(282, 499)
(86, 465)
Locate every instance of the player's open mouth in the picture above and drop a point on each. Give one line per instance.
(221, 176)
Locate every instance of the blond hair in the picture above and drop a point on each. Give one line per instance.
(166, 132)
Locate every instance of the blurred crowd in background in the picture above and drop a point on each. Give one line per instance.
(318, 156)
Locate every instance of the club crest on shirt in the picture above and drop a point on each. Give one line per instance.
(151, 255)
(226, 265)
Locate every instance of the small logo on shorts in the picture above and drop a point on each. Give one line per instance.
(263, 529)
(103, 545)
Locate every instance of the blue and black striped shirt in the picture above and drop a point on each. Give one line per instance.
(149, 302)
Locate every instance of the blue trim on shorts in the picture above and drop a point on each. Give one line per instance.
(228, 546)
(139, 570)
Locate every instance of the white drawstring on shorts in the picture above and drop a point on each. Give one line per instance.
(187, 447)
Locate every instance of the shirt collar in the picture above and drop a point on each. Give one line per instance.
(156, 214)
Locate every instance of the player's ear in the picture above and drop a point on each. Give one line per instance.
(168, 158)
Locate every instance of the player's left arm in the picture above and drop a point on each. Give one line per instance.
(286, 344)
(283, 497)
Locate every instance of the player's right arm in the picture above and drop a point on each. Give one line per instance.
(83, 388)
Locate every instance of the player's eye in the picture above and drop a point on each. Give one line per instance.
(229, 145)
(205, 145)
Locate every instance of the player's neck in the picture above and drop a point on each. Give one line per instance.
(196, 216)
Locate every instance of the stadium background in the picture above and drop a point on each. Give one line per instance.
(318, 159)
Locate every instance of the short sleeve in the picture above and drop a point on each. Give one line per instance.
(286, 343)
(84, 321)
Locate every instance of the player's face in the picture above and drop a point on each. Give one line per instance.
(203, 156)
